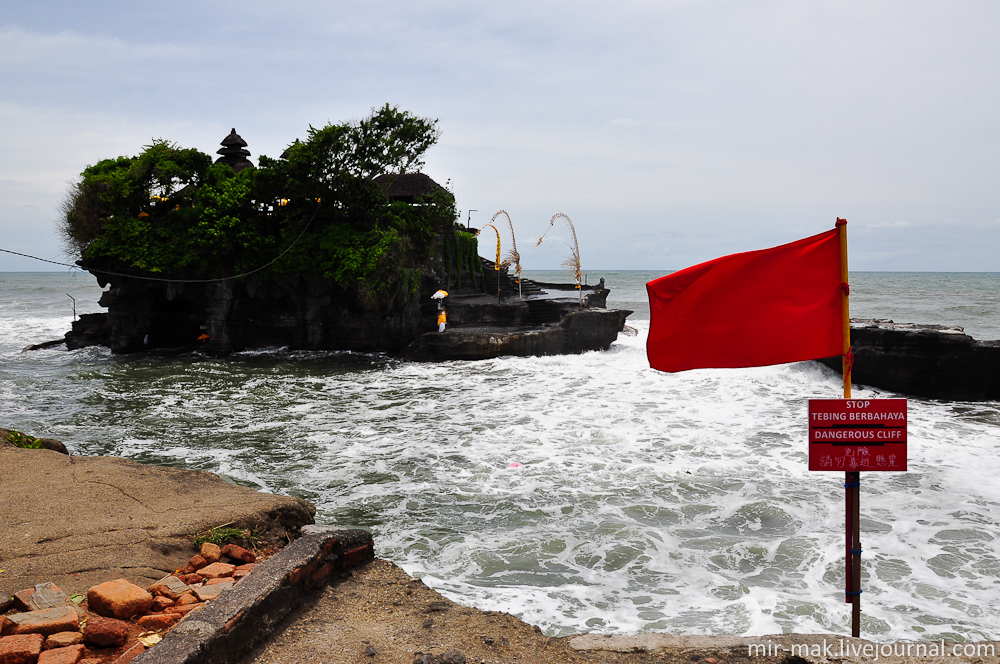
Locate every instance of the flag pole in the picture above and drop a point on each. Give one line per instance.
(852, 479)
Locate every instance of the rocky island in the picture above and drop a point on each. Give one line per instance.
(336, 245)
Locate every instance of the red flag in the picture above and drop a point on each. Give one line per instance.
(752, 309)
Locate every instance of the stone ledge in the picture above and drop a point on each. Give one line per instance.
(247, 614)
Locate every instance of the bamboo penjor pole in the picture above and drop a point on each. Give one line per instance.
(852, 479)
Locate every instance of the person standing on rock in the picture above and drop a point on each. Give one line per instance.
(442, 315)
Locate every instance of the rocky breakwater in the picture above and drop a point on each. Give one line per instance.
(930, 361)
(482, 328)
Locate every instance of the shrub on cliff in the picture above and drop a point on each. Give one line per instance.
(317, 211)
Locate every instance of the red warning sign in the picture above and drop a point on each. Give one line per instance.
(857, 434)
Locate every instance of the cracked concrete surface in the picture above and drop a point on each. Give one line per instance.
(78, 521)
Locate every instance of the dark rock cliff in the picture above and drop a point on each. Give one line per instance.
(147, 312)
(923, 361)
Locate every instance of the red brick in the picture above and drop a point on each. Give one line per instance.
(22, 649)
(159, 622)
(232, 622)
(295, 576)
(322, 572)
(195, 564)
(238, 553)
(67, 655)
(329, 546)
(191, 579)
(49, 621)
(161, 604)
(170, 587)
(22, 599)
(185, 599)
(216, 570)
(186, 609)
(105, 632)
(63, 639)
(118, 599)
(211, 552)
(357, 555)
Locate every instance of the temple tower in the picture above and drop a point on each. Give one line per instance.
(234, 152)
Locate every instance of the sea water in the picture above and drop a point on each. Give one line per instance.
(583, 492)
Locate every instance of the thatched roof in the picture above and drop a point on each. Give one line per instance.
(234, 139)
(234, 152)
(407, 186)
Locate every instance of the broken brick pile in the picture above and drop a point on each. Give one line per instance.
(110, 625)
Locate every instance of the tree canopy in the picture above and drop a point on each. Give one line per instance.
(170, 210)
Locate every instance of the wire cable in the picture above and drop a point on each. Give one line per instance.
(175, 281)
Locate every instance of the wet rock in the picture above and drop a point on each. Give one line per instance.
(578, 331)
(89, 330)
(105, 632)
(930, 361)
(118, 599)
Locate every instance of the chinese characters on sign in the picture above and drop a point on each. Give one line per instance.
(857, 434)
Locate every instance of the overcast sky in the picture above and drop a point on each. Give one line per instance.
(671, 132)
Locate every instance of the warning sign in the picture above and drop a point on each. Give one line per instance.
(857, 434)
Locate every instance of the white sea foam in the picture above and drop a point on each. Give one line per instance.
(644, 501)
